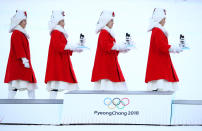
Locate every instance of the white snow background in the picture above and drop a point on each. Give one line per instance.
(183, 16)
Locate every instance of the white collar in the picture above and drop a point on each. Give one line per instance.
(110, 31)
(61, 29)
(160, 27)
(19, 28)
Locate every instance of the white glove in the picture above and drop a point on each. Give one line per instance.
(73, 47)
(79, 50)
(120, 47)
(25, 61)
(175, 49)
(70, 47)
(26, 65)
(124, 51)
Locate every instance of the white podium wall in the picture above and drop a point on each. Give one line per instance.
(186, 112)
(102, 107)
(144, 108)
(28, 111)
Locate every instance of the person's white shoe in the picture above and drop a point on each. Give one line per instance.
(31, 94)
(53, 94)
(11, 94)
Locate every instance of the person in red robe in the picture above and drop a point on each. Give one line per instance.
(107, 74)
(19, 73)
(60, 74)
(160, 72)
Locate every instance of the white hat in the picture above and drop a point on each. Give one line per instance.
(55, 18)
(105, 17)
(157, 16)
(17, 18)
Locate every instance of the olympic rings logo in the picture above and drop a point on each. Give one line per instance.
(116, 103)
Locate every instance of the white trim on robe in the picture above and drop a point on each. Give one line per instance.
(106, 84)
(19, 28)
(61, 86)
(162, 85)
(21, 85)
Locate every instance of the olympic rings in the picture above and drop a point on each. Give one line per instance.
(127, 101)
(107, 101)
(116, 103)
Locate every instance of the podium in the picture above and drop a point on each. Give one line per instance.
(30, 111)
(103, 107)
(186, 112)
(115, 107)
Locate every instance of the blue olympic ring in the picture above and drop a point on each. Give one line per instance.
(116, 103)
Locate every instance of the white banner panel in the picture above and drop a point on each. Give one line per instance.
(82, 107)
(27, 111)
(187, 112)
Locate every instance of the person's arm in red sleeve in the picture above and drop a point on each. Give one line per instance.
(17, 44)
(161, 42)
(59, 43)
(106, 43)
(70, 52)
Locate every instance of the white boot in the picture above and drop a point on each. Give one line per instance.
(31, 94)
(11, 94)
(53, 94)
